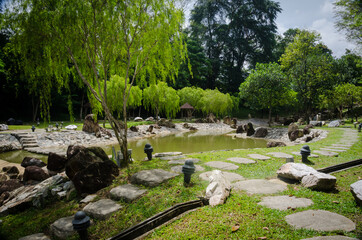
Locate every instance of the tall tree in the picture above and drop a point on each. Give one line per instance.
(267, 87)
(216, 102)
(349, 18)
(139, 40)
(234, 33)
(309, 69)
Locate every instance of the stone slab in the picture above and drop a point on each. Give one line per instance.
(258, 156)
(259, 186)
(178, 169)
(338, 147)
(356, 190)
(88, 198)
(241, 160)
(222, 165)
(326, 153)
(127, 192)
(337, 237)
(295, 171)
(169, 158)
(37, 236)
(231, 177)
(310, 156)
(167, 154)
(320, 220)
(63, 228)
(152, 178)
(102, 209)
(182, 161)
(285, 202)
(342, 145)
(335, 150)
(280, 155)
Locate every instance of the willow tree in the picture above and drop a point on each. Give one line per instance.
(93, 40)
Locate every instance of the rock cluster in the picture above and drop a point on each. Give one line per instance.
(356, 190)
(166, 123)
(8, 143)
(90, 125)
(218, 189)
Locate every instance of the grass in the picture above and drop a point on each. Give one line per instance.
(241, 209)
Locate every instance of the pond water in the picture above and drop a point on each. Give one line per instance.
(182, 142)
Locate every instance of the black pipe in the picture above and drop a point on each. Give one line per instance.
(341, 166)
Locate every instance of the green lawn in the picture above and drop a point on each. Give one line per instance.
(211, 222)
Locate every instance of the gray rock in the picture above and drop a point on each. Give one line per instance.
(259, 186)
(280, 155)
(152, 178)
(335, 123)
(169, 158)
(337, 237)
(332, 149)
(68, 185)
(320, 220)
(356, 190)
(241, 160)
(218, 189)
(326, 153)
(102, 209)
(231, 177)
(88, 198)
(138, 119)
(167, 154)
(4, 127)
(63, 228)
(222, 165)
(178, 169)
(71, 127)
(260, 132)
(275, 144)
(127, 192)
(258, 157)
(295, 171)
(182, 161)
(319, 181)
(36, 236)
(285, 202)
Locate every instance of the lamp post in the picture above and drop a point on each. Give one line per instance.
(305, 152)
(80, 223)
(148, 150)
(188, 169)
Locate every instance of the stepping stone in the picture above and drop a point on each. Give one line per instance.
(326, 153)
(285, 202)
(295, 171)
(338, 147)
(342, 145)
(231, 177)
(168, 158)
(259, 186)
(178, 168)
(88, 198)
(241, 160)
(331, 149)
(258, 157)
(37, 236)
(166, 154)
(152, 178)
(310, 156)
(182, 161)
(127, 192)
(102, 209)
(320, 220)
(63, 228)
(222, 165)
(337, 237)
(280, 155)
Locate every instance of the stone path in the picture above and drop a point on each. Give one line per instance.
(285, 202)
(102, 209)
(258, 157)
(231, 177)
(178, 169)
(326, 153)
(280, 155)
(259, 186)
(37, 236)
(27, 140)
(152, 178)
(241, 160)
(63, 228)
(332, 149)
(167, 154)
(337, 237)
(127, 192)
(222, 165)
(182, 161)
(320, 220)
(310, 156)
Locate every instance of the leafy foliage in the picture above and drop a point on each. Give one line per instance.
(213, 101)
(190, 95)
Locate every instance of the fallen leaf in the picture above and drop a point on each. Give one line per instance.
(262, 238)
(235, 228)
(266, 228)
(336, 202)
(291, 195)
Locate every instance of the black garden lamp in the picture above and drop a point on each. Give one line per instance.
(359, 127)
(188, 169)
(56, 125)
(305, 152)
(61, 125)
(33, 128)
(148, 150)
(80, 224)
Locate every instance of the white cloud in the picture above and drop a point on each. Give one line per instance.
(327, 8)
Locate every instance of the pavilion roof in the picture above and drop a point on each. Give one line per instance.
(187, 106)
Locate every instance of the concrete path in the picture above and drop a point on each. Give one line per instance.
(259, 186)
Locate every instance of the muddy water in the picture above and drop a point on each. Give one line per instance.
(182, 142)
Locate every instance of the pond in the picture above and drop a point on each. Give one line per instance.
(182, 142)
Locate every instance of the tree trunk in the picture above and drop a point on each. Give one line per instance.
(35, 108)
(81, 107)
(270, 117)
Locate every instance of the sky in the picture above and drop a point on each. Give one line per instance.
(315, 15)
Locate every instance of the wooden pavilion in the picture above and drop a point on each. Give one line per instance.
(188, 109)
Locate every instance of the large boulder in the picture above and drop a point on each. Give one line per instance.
(275, 144)
(35, 173)
(261, 132)
(56, 162)
(335, 123)
(211, 118)
(227, 120)
(166, 123)
(291, 128)
(240, 129)
(90, 125)
(356, 190)
(9, 185)
(295, 171)
(30, 161)
(250, 130)
(133, 129)
(89, 168)
(296, 134)
(138, 119)
(319, 181)
(4, 127)
(218, 189)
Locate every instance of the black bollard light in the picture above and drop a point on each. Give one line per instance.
(305, 152)
(148, 150)
(56, 125)
(81, 223)
(359, 127)
(188, 169)
(61, 125)
(33, 128)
